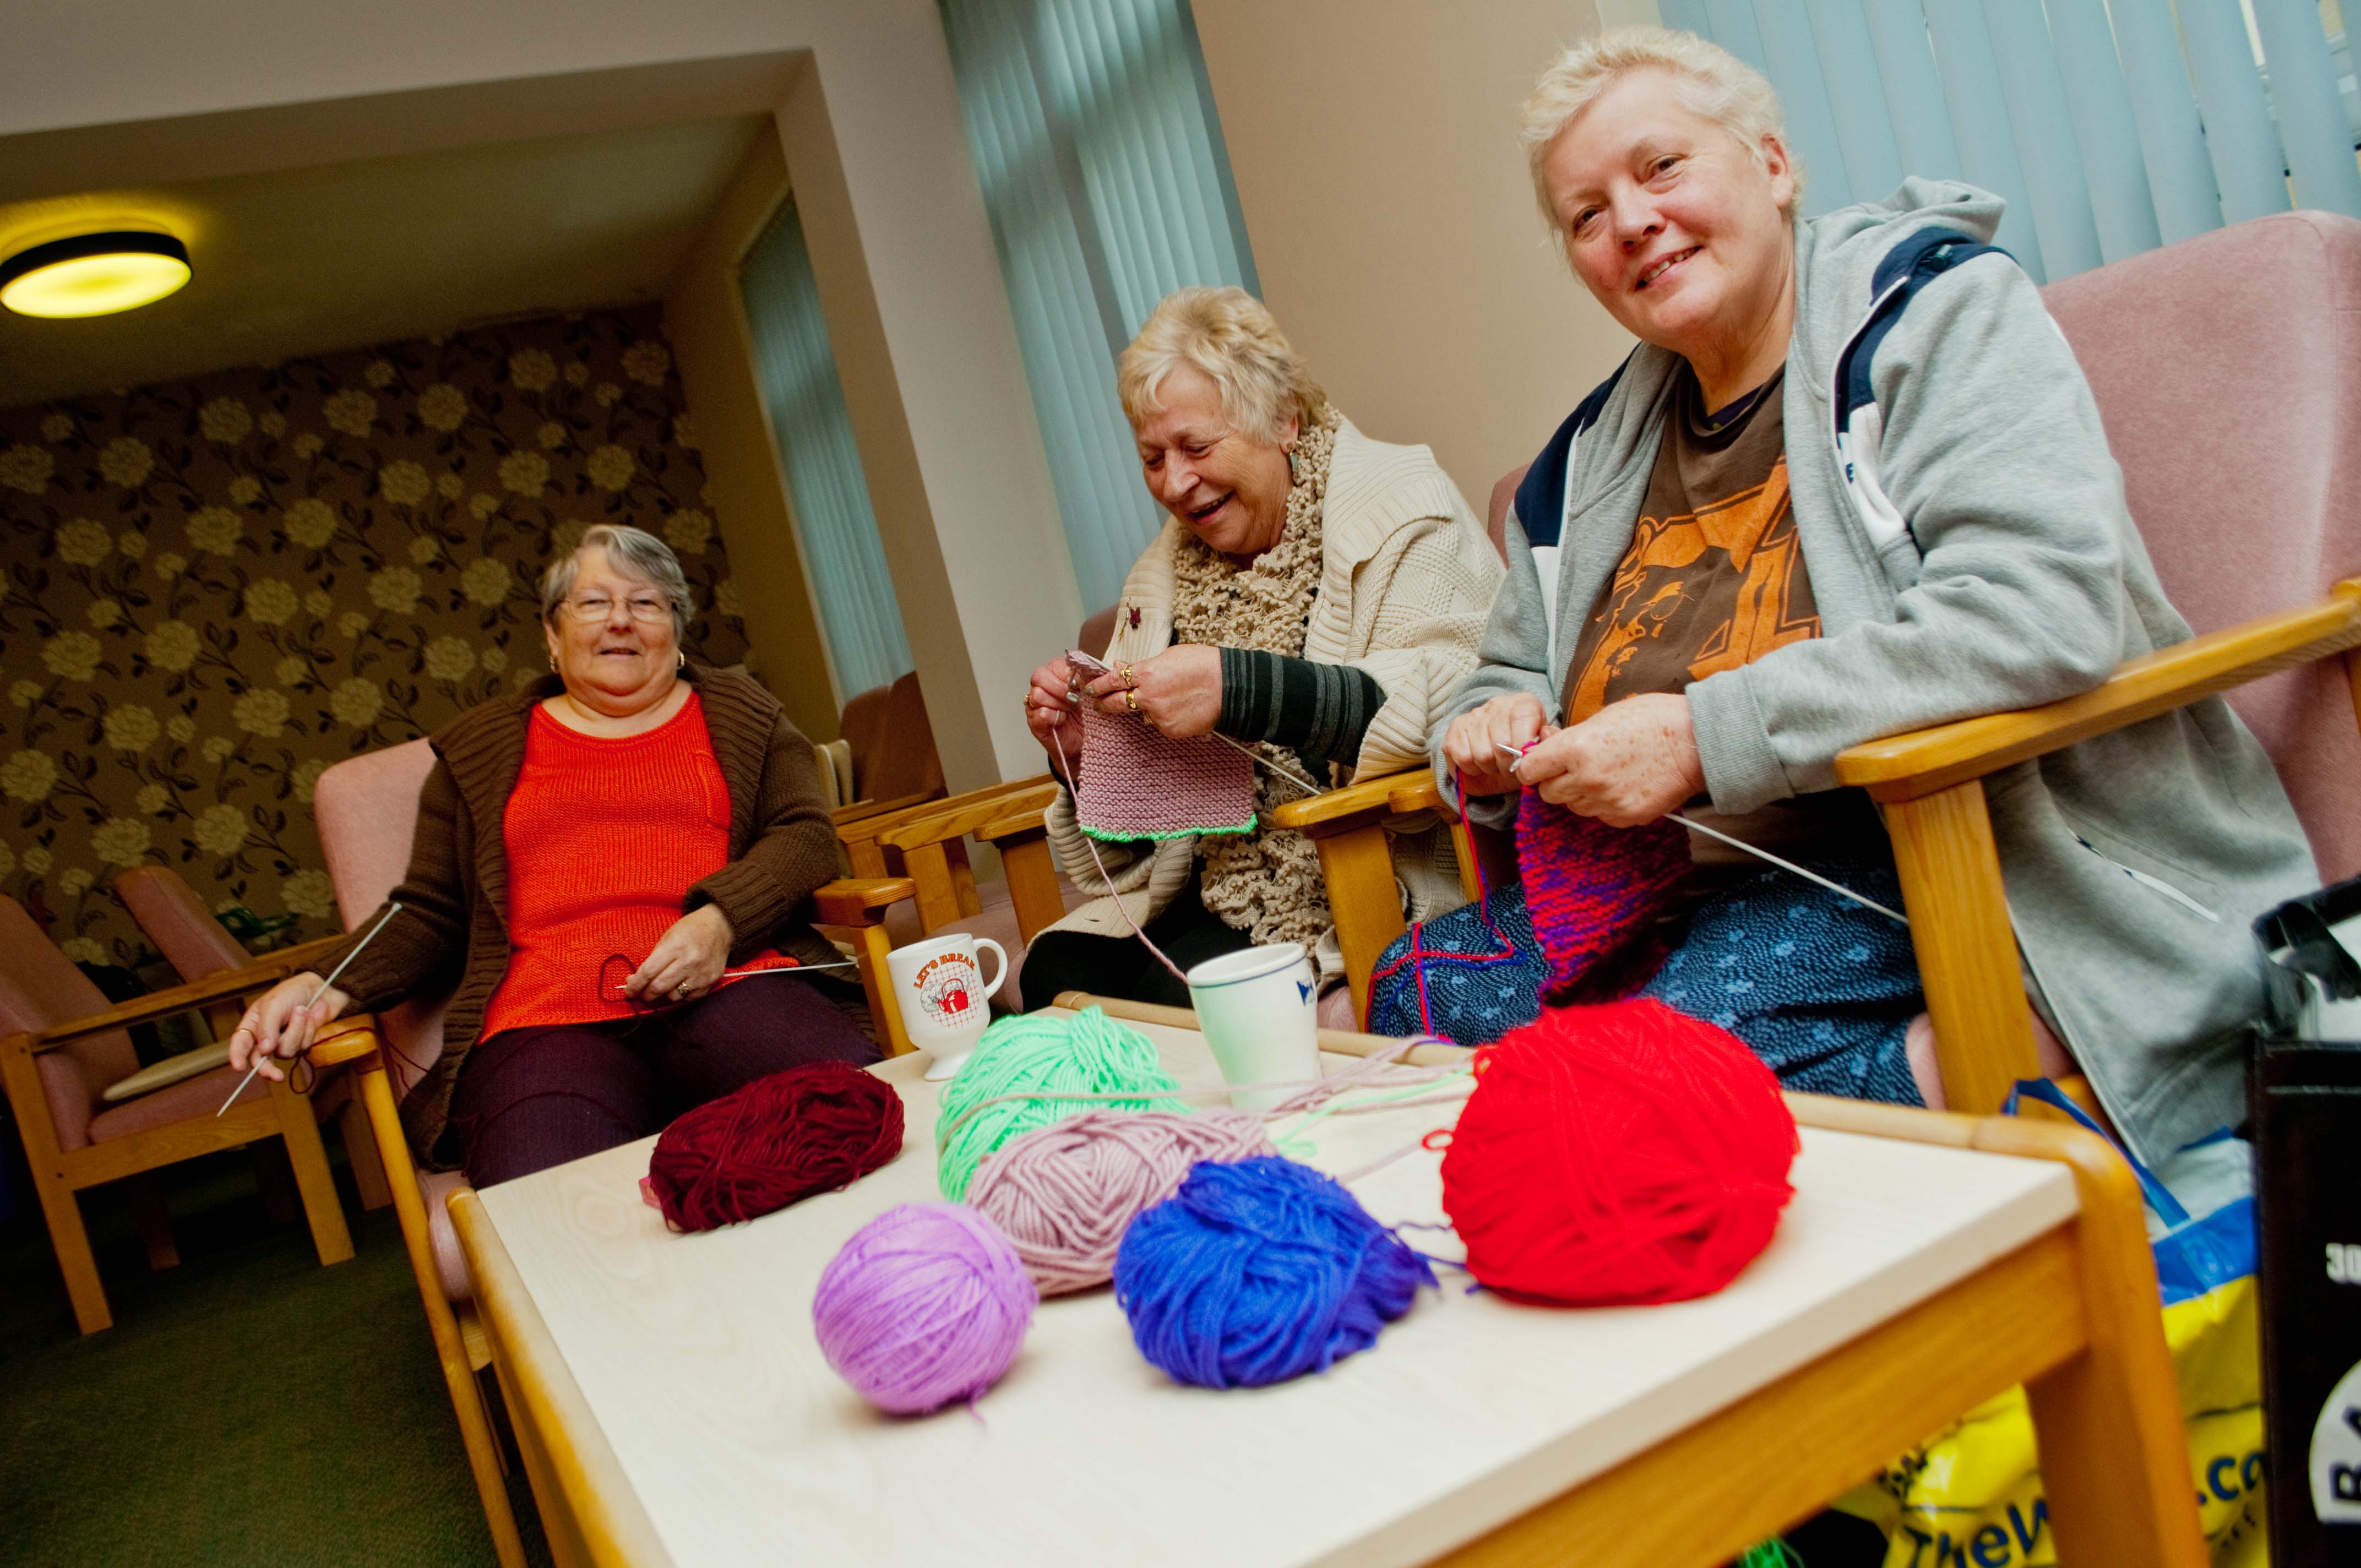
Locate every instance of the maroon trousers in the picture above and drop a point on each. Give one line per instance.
(528, 1099)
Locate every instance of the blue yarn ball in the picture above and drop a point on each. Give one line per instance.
(1260, 1271)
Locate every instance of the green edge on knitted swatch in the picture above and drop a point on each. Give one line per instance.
(1246, 826)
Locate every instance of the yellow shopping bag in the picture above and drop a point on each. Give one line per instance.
(1971, 1496)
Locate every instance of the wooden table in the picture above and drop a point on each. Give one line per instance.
(673, 1405)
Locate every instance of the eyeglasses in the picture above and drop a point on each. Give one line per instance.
(598, 607)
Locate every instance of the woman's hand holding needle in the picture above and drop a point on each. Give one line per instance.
(391, 910)
(1760, 854)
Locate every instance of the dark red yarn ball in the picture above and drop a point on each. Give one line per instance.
(809, 1129)
(1617, 1154)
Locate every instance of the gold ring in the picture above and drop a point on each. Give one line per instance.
(1131, 699)
(1129, 682)
(681, 990)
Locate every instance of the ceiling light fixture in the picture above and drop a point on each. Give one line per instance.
(93, 274)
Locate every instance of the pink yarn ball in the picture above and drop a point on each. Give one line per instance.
(926, 1305)
(1066, 1193)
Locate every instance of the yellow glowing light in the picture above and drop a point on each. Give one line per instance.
(92, 275)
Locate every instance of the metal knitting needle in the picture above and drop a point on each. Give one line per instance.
(1298, 780)
(391, 910)
(1758, 852)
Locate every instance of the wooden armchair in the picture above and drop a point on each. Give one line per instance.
(87, 1117)
(1929, 785)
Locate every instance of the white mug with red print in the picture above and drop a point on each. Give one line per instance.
(938, 985)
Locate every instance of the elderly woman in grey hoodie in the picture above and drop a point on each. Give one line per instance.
(1801, 516)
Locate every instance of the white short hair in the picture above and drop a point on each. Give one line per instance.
(1708, 80)
(634, 553)
(1229, 335)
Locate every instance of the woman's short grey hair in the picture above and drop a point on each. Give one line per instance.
(1708, 80)
(1229, 335)
(633, 551)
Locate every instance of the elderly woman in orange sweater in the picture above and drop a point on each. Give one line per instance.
(604, 860)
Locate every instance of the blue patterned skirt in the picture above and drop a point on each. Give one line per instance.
(1819, 988)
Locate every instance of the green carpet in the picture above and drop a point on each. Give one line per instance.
(247, 1407)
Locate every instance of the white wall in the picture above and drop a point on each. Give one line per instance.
(1374, 145)
(870, 124)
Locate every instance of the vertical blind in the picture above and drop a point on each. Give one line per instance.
(2109, 127)
(1108, 187)
(836, 527)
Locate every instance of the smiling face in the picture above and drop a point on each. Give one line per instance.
(1227, 487)
(1675, 225)
(612, 660)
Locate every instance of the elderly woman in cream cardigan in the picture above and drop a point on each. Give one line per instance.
(1313, 593)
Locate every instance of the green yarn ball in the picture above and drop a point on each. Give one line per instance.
(1043, 1054)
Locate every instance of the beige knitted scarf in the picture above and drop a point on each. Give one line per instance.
(1266, 882)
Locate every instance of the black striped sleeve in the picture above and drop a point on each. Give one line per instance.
(1325, 709)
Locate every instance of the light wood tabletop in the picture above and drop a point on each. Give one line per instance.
(679, 1408)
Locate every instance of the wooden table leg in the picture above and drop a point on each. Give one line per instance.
(2107, 1421)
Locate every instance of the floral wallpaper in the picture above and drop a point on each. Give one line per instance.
(217, 589)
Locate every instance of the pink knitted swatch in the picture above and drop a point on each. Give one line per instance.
(1594, 894)
(1138, 783)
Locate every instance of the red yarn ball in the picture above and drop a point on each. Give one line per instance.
(809, 1129)
(1618, 1155)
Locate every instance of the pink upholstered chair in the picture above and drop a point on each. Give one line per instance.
(198, 947)
(90, 1115)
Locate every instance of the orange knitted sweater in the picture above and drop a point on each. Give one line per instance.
(605, 838)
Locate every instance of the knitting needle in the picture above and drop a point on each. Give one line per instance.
(1298, 780)
(391, 910)
(1757, 852)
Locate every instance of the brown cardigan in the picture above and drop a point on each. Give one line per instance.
(453, 927)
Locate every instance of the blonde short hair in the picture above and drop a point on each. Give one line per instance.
(1708, 80)
(1229, 335)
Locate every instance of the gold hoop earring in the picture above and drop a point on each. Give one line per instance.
(683, 665)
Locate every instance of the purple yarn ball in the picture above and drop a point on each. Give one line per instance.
(926, 1305)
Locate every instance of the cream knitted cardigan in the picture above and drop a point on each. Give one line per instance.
(1406, 583)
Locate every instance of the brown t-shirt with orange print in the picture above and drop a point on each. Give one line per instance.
(1714, 579)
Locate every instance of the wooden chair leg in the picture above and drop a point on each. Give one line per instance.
(929, 866)
(885, 1007)
(1967, 949)
(21, 1081)
(144, 1195)
(1359, 866)
(1032, 871)
(459, 1378)
(361, 1156)
(309, 1157)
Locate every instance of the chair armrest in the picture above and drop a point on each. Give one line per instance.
(345, 1039)
(861, 811)
(1021, 819)
(222, 987)
(859, 901)
(1362, 799)
(1922, 762)
(968, 814)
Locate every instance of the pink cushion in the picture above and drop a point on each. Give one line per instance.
(1496, 515)
(41, 988)
(367, 809)
(2227, 369)
(450, 1264)
(171, 916)
(191, 1097)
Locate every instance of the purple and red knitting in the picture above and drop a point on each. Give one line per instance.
(1594, 894)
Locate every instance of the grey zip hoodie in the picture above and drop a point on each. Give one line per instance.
(2135, 861)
